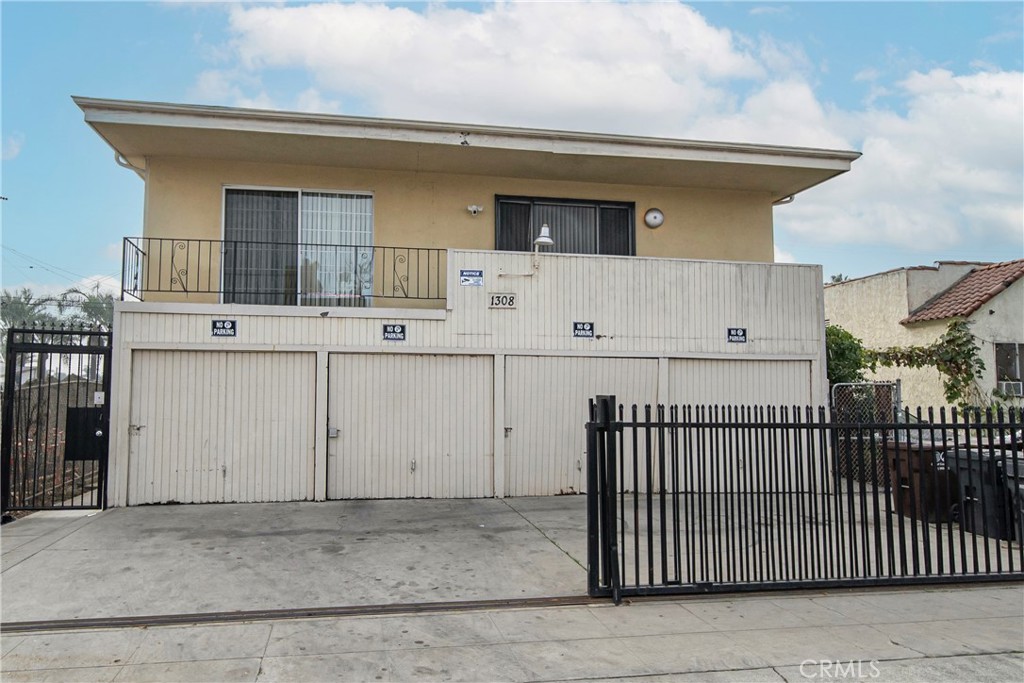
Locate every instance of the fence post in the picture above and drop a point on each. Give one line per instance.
(593, 537)
(6, 439)
(607, 488)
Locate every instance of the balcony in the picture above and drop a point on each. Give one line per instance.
(282, 274)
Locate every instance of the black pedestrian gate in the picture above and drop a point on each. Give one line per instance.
(56, 419)
(724, 498)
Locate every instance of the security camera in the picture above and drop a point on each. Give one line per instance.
(475, 209)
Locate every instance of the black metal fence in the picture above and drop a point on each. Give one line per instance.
(725, 498)
(56, 414)
(276, 273)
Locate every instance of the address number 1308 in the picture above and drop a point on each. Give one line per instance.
(502, 300)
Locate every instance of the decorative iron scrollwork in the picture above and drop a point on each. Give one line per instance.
(180, 276)
(401, 280)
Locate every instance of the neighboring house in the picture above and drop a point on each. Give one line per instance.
(336, 307)
(914, 306)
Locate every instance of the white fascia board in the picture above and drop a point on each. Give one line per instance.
(423, 132)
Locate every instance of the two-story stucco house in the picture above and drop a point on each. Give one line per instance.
(327, 307)
(914, 306)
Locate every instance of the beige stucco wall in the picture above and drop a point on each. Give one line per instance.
(924, 283)
(184, 197)
(999, 321)
(871, 308)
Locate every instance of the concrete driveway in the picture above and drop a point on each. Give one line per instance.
(210, 558)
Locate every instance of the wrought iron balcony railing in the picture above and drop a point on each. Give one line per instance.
(275, 273)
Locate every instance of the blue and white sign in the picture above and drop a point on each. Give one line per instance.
(471, 278)
(394, 332)
(736, 335)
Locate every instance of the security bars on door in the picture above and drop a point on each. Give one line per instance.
(279, 273)
(698, 499)
(56, 414)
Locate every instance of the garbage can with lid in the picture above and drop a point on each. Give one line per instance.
(1013, 473)
(988, 502)
(923, 487)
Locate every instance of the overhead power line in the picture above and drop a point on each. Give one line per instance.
(60, 272)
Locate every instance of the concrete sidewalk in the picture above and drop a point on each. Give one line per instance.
(951, 634)
(212, 558)
(167, 560)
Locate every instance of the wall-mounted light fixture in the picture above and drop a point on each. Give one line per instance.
(542, 240)
(654, 218)
(475, 209)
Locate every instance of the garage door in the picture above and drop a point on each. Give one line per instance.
(740, 382)
(410, 426)
(221, 427)
(546, 413)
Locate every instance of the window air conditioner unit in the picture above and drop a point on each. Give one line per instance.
(1011, 388)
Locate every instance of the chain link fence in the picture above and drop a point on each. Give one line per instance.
(863, 403)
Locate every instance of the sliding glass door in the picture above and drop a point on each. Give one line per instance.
(288, 247)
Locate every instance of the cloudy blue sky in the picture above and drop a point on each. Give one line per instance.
(931, 93)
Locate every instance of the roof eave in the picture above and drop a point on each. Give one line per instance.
(555, 141)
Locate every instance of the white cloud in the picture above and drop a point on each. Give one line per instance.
(783, 112)
(310, 99)
(784, 256)
(229, 87)
(768, 9)
(942, 162)
(868, 74)
(106, 283)
(12, 146)
(635, 68)
(946, 173)
(112, 252)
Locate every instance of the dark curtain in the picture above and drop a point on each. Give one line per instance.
(261, 229)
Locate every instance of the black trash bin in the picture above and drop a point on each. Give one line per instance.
(1013, 473)
(990, 484)
(923, 487)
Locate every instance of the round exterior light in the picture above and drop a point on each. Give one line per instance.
(654, 218)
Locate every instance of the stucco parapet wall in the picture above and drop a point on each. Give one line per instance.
(635, 306)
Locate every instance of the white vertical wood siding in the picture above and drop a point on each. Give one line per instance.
(546, 409)
(410, 426)
(721, 467)
(221, 427)
(231, 418)
(654, 307)
(740, 382)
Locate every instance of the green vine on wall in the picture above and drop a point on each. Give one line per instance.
(955, 355)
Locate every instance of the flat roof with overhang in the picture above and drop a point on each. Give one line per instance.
(141, 130)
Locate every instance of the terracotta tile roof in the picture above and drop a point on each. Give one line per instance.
(969, 293)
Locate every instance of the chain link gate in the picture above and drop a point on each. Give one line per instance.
(56, 419)
(862, 403)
